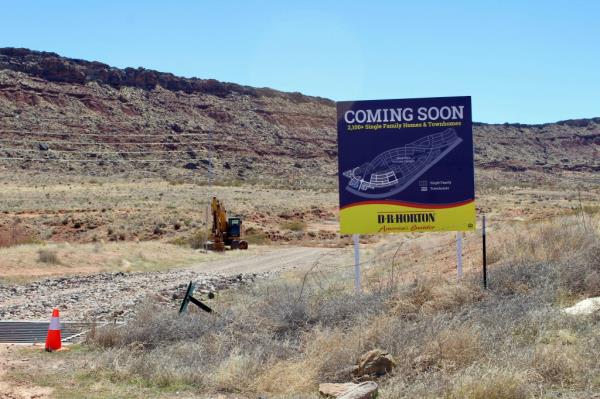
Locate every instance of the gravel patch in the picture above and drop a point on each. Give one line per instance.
(109, 296)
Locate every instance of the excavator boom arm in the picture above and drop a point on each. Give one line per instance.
(219, 216)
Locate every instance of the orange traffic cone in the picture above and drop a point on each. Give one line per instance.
(53, 342)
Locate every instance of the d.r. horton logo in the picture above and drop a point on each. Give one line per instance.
(413, 217)
(410, 221)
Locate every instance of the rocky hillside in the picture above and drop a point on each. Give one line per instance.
(84, 117)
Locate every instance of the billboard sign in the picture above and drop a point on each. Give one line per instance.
(406, 165)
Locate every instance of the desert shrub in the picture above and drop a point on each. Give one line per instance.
(180, 241)
(166, 349)
(268, 324)
(522, 277)
(14, 234)
(256, 236)
(198, 238)
(328, 355)
(434, 293)
(574, 277)
(491, 383)
(558, 364)
(289, 309)
(581, 275)
(48, 256)
(547, 241)
(293, 225)
(454, 348)
(153, 327)
(333, 352)
(234, 371)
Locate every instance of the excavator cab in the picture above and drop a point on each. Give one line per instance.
(234, 234)
(235, 227)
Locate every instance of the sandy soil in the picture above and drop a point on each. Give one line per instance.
(11, 389)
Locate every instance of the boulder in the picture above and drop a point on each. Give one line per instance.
(365, 390)
(373, 364)
(329, 390)
(191, 166)
(585, 307)
(176, 128)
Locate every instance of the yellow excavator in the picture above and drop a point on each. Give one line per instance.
(225, 232)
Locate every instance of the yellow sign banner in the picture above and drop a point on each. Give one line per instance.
(372, 217)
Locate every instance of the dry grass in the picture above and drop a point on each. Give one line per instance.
(96, 257)
(492, 383)
(196, 240)
(293, 225)
(117, 208)
(282, 338)
(544, 241)
(256, 236)
(559, 365)
(14, 234)
(454, 349)
(48, 256)
(434, 293)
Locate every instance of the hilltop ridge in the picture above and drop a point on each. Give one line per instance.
(54, 68)
(83, 117)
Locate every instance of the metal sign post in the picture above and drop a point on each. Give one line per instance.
(484, 255)
(357, 279)
(189, 298)
(459, 250)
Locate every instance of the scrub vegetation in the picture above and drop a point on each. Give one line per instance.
(450, 339)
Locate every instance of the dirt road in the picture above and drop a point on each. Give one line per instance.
(269, 259)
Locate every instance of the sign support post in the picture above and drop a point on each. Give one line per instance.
(357, 277)
(459, 247)
(484, 255)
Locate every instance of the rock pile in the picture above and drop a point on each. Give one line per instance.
(373, 364)
(107, 296)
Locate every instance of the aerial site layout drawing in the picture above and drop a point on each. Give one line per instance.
(393, 170)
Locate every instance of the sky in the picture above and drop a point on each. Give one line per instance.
(521, 61)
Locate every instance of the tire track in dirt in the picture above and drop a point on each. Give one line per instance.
(272, 259)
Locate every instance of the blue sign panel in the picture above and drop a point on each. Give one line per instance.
(406, 165)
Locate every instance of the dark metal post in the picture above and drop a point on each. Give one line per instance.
(484, 256)
(186, 299)
(189, 298)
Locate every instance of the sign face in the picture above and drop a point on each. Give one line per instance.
(406, 165)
